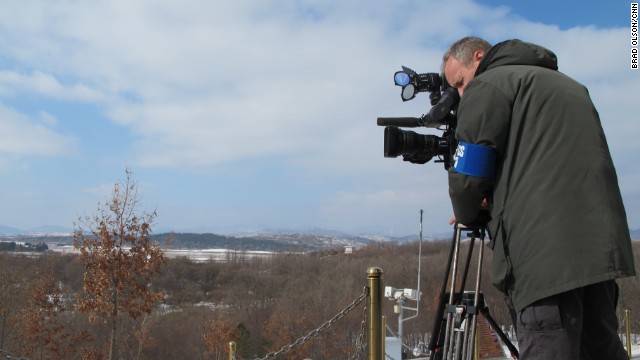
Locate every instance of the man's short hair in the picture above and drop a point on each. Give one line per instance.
(463, 49)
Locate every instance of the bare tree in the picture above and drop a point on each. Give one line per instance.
(11, 303)
(43, 329)
(217, 335)
(120, 259)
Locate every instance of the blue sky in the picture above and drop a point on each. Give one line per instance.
(244, 115)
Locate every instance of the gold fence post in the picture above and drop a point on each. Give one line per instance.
(232, 350)
(627, 314)
(374, 276)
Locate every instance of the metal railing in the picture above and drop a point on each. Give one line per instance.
(375, 344)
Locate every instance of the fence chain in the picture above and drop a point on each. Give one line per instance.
(363, 328)
(391, 331)
(320, 329)
(395, 336)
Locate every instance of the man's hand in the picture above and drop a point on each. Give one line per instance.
(483, 206)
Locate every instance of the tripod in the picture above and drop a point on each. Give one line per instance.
(459, 311)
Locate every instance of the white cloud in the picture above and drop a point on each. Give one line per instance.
(46, 85)
(21, 136)
(244, 80)
(203, 83)
(47, 119)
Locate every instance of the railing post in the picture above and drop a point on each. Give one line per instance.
(627, 312)
(232, 350)
(374, 275)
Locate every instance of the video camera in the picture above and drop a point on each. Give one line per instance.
(420, 148)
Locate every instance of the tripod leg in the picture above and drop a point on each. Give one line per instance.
(437, 342)
(465, 272)
(450, 328)
(487, 315)
(465, 339)
(458, 351)
(473, 315)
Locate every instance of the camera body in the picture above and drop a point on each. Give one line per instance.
(420, 148)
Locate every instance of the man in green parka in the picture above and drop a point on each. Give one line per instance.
(532, 149)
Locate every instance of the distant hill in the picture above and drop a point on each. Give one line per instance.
(272, 240)
(6, 230)
(50, 229)
(43, 229)
(215, 241)
(262, 241)
(248, 242)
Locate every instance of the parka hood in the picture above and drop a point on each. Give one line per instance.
(517, 52)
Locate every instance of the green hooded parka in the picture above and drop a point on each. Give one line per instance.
(557, 217)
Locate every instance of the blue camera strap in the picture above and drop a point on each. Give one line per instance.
(474, 160)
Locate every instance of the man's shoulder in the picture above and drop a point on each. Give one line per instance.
(514, 71)
(512, 77)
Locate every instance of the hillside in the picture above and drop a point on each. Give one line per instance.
(262, 304)
(257, 241)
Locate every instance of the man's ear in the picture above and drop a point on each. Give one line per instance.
(478, 55)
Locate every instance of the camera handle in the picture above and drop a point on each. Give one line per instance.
(458, 311)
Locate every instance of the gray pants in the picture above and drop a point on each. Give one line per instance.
(580, 324)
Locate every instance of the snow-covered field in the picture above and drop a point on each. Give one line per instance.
(197, 255)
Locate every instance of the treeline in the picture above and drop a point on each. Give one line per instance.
(261, 304)
(13, 246)
(208, 241)
(261, 242)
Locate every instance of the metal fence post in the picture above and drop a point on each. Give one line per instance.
(232, 350)
(374, 275)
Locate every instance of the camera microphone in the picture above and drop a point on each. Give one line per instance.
(409, 122)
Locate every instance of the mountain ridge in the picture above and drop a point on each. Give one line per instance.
(301, 238)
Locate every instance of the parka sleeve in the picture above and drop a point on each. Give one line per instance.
(483, 119)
